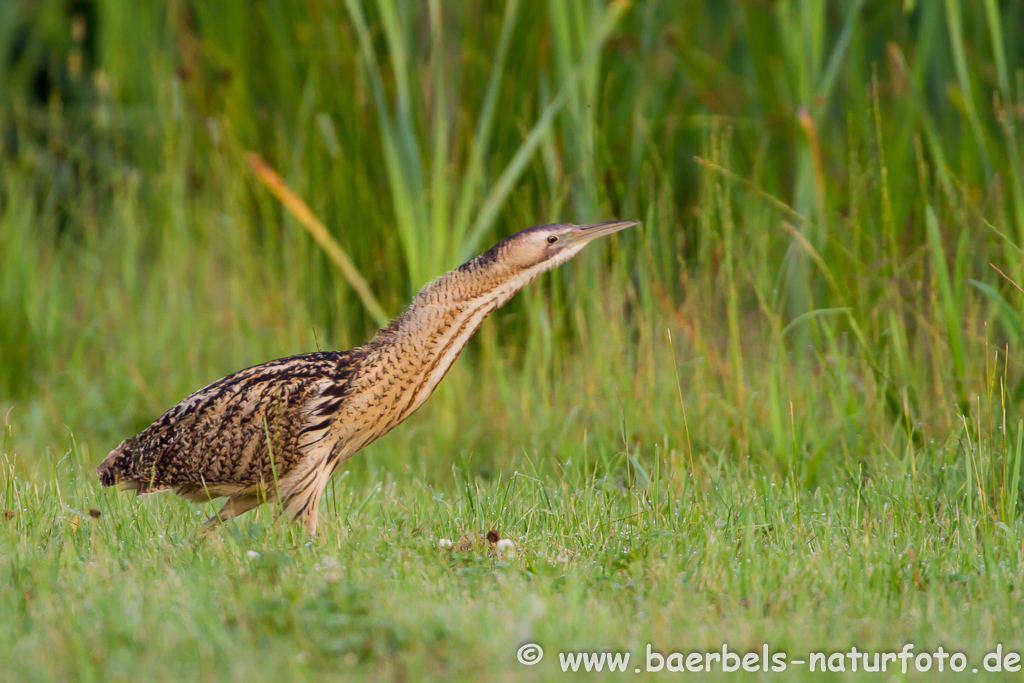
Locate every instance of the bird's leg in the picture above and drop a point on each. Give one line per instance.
(304, 505)
(311, 515)
(235, 506)
(303, 502)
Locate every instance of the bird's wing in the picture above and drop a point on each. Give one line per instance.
(220, 438)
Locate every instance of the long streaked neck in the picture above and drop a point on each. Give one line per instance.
(409, 358)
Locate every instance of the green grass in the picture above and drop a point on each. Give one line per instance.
(612, 558)
(787, 410)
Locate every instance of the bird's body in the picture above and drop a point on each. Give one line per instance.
(277, 431)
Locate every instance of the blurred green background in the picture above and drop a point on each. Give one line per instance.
(826, 189)
(785, 410)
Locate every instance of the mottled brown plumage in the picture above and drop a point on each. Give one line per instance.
(277, 431)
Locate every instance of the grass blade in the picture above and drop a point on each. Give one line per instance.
(950, 312)
(319, 232)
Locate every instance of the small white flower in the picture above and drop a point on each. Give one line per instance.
(252, 554)
(505, 547)
(444, 543)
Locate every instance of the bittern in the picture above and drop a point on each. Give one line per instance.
(278, 431)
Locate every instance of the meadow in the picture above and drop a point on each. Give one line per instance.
(786, 411)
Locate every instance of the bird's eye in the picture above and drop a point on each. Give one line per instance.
(552, 239)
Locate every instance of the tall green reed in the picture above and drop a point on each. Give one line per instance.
(855, 171)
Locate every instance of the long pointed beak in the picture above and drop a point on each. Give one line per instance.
(591, 231)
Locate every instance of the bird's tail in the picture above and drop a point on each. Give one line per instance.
(116, 467)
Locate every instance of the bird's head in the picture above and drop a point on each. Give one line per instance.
(509, 265)
(486, 282)
(542, 247)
